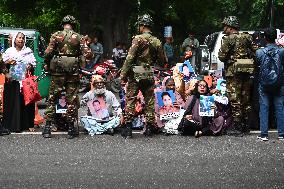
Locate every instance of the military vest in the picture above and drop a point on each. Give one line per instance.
(241, 51)
(146, 56)
(67, 52)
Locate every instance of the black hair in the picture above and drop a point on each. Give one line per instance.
(165, 94)
(195, 90)
(96, 101)
(168, 80)
(270, 34)
(223, 82)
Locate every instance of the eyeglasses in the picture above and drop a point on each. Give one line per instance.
(200, 85)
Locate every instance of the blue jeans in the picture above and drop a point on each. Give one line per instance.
(264, 111)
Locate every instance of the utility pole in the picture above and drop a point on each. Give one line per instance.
(271, 13)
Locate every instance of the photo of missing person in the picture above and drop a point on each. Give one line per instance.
(166, 102)
(98, 109)
(222, 86)
(205, 106)
(186, 70)
(61, 105)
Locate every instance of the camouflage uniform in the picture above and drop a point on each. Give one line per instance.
(146, 50)
(237, 46)
(64, 58)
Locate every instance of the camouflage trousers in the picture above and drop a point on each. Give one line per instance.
(70, 85)
(147, 89)
(239, 93)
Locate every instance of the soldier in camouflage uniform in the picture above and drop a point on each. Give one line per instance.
(63, 58)
(145, 51)
(236, 46)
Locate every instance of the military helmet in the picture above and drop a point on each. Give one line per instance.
(145, 20)
(68, 19)
(231, 21)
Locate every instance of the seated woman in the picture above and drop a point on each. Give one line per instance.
(20, 61)
(104, 112)
(193, 123)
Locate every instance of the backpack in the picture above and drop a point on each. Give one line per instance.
(271, 71)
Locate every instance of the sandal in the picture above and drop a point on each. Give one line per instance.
(197, 134)
(32, 129)
(54, 129)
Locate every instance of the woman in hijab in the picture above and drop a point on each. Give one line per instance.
(106, 100)
(20, 60)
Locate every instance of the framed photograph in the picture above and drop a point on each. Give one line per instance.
(186, 70)
(166, 101)
(205, 106)
(98, 109)
(61, 104)
(222, 86)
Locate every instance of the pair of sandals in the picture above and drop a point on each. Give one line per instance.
(198, 134)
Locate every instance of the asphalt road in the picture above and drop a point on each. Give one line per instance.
(103, 161)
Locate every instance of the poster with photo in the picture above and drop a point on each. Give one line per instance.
(205, 106)
(98, 109)
(166, 101)
(186, 70)
(61, 104)
(222, 86)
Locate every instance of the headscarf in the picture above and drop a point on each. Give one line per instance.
(24, 55)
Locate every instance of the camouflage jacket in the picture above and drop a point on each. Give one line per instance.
(68, 43)
(235, 46)
(145, 50)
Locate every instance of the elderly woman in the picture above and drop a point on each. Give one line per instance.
(20, 61)
(100, 100)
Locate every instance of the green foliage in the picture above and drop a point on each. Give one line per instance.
(200, 16)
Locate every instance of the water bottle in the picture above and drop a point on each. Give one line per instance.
(168, 31)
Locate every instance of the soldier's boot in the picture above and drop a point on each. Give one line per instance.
(71, 131)
(46, 133)
(110, 131)
(149, 130)
(3, 130)
(127, 131)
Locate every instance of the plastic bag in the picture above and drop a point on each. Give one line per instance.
(30, 90)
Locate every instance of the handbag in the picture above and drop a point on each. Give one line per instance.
(30, 90)
(143, 73)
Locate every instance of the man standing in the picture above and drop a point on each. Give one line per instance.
(264, 57)
(191, 44)
(237, 47)
(97, 50)
(169, 51)
(63, 58)
(145, 51)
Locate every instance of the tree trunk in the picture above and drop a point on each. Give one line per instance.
(107, 19)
